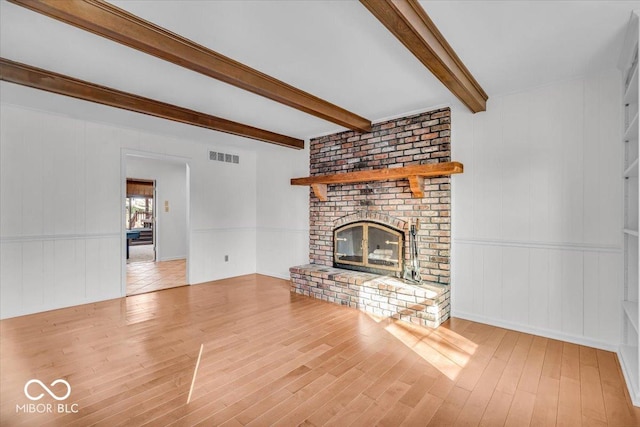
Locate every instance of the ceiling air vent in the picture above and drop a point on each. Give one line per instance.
(223, 157)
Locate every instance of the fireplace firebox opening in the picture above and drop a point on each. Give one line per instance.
(369, 246)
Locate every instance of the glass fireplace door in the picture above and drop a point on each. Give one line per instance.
(368, 246)
(349, 244)
(383, 246)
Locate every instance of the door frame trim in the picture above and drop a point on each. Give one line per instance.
(124, 154)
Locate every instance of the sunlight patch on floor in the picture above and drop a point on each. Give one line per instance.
(375, 317)
(440, 352)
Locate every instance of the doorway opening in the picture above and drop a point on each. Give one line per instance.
(140, 220)
(156, 222)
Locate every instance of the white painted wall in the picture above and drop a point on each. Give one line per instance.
(171, 185)
(537, 212)
(61, 217)
(283, 211)
(223, 217)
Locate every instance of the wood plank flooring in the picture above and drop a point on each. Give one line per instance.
(275, 358)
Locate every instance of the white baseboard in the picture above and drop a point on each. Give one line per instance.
(55, 306)
(273, 274)
(635, 397)
(547, 333)
(174, 258)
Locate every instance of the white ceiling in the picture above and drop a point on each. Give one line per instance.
(333, 49)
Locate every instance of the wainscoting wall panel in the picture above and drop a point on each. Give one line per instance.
(564, 294)
(536, 216)
(281, 248)
(43, 273)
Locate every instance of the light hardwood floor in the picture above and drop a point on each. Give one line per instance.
(150, 276)
(275, 358)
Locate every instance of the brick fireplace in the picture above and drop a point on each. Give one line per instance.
(414, 140)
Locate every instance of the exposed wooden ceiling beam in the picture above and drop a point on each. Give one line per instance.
(106, 20)
(26, 75)
(409, 22)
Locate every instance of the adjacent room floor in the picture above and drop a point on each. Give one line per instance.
(139, 253)
(149, 276)
(275, 358)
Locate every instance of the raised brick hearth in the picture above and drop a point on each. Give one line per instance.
(418, 139)
(425, 304)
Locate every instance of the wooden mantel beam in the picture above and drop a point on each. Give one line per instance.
(38, 78)
(415, 174)
(106, 20)
(409, 22)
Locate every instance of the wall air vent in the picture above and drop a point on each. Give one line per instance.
(223, 157)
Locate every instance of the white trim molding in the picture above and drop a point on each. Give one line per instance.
(564, 246)
(54, 237)
(547, 333)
